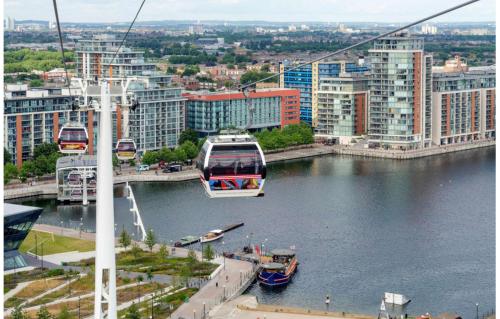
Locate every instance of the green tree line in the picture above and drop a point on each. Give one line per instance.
(26, 60)
(292, 135)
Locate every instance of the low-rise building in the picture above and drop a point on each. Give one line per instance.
(207, 113)
(463, 103)
(343, 108)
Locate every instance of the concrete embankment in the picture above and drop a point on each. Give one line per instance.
(404, 155)
(50, 189)
(247, 307)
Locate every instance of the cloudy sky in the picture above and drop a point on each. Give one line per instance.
(234, 10)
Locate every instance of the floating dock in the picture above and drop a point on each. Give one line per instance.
(225, 229)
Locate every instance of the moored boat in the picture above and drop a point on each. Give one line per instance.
(280, 271)
(212, 236)
(188, 240)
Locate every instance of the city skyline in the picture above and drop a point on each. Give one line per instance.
(80, 11)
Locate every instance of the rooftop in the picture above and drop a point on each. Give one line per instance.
(77, 161)
(14, 209)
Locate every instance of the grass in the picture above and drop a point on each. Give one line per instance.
(11, 280)
(33, 289)
(82, 286)
(54, 244)
(162, 308)
(144, 260)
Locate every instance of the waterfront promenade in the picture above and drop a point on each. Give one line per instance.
(49, 188)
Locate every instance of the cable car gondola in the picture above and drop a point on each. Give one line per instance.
(232, 166)
(74, 178)
(73, 139)
(125, 149)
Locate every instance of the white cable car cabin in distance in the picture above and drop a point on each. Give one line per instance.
(125, 149)
(73, 139)
(232, 166)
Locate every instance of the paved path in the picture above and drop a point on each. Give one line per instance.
(247, 307)
(217, 290)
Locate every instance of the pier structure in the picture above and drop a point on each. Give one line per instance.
(135, 211)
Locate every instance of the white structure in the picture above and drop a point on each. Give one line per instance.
(429, 29)
(105, 265)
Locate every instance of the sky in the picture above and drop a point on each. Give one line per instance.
(238, 10)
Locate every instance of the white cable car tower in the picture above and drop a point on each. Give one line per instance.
(105, 265)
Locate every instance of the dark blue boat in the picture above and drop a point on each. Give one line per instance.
(280, 271)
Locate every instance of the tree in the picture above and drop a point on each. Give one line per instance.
(116, 162)
(131, 162)
(64, 314)
(149, 275)
(265, 68)
(139, 280)
(191, 257)
(36, 83)
(43, 313)
(180, 155)
(9, 172)
(133, 312)
(136, 250)
(188, 135)
(190, 149)
(252, 76)
(7, 157)
(150, 239)
(19, 313)
(163, 253)
(125, 239)
(45, 149)
(150, 157)
(208, 252)
(27, 170)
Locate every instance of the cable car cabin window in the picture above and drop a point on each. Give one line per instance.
(125, 146)
(230, 160)
(73, 135)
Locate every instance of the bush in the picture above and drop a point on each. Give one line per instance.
(55, 272)
(9, 172)
(291, 135)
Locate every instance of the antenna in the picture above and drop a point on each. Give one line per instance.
(362, 42)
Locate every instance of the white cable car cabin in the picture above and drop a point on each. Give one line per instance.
(232, 166)
(73, 139)
(125, 149)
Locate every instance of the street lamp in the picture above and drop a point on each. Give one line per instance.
(194, 314)
(224, 255)
(62, 227)
(327, 302)
(477, 310)
(224, 292)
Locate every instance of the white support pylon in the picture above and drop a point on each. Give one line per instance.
(105, 267)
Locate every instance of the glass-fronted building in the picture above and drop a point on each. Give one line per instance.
(343, 107)
(307, 79)
(207, 113)
(17, 223)
(400, 93)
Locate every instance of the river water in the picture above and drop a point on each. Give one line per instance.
(361, 227)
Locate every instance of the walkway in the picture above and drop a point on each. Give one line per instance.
(238, 273)
(247, 307)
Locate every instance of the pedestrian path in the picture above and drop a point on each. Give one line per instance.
(228, 283)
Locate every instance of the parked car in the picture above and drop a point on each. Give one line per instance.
(173, 168)
(142, 167)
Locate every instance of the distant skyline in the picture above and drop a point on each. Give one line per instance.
(249, 10)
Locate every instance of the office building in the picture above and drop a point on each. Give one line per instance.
(343, 108)
(17, 223)
(207, 113)
(35, 116)
(307, 79)
(400, 93)
(463, 103)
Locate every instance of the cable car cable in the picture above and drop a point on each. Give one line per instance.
(243, 87)
(128, 31)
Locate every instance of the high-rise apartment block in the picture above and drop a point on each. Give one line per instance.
(307, 79)
(463, 103)
(400, 107)
(35, 116)
(160, 117)
(343, 107)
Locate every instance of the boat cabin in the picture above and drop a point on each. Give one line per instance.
(283, 256)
